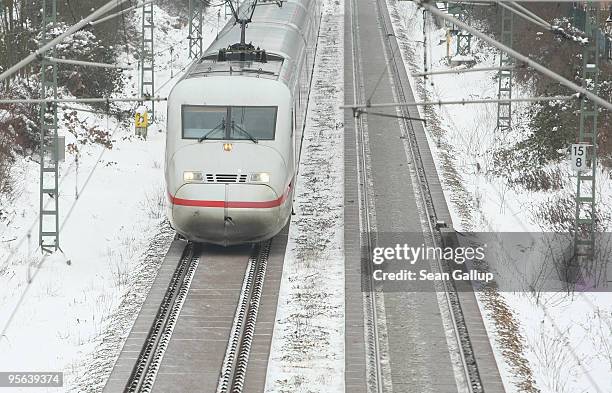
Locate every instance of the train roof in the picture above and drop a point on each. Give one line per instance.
(280, 31)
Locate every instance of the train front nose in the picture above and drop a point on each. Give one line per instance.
(226, 214)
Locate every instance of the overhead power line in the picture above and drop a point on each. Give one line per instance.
(104, 19)
(530, 13)
(534, 18)
(537, 66)
(71, 30)
(525, 16)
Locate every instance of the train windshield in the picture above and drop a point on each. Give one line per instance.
(229, 122)
(252, 122)
(204, 121)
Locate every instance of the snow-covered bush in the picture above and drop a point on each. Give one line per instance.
(552, 125)
(19, 122)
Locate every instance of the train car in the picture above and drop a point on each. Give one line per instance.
(234, 127)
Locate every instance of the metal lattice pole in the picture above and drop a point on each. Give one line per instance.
(49, 154)
(504, 109)
(195, 28)
(584, 241)
(147, 62)
(464, 38)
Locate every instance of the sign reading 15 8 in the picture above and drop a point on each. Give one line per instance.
(578, 156)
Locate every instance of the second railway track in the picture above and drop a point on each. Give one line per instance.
(469, 366)
(377, 378)
(457, 319)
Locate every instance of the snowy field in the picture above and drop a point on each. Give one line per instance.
(548, 342)
(71, 311)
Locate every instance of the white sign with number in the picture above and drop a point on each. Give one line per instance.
(578, 156)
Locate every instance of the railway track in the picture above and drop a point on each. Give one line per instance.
(466, 351)
(233, 370)
(234, 367)
(145, 370)
(376, 379)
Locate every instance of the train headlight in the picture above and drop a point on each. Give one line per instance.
(261, 177)
(193, 176)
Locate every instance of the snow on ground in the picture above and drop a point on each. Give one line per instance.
(307, 352)
(70, 312)
(548, 342)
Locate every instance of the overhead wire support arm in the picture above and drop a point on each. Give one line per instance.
(86, 63)
(465, 70)
(518, 56)
(460, 102)
(358, 112)
(74, 108)
(88, 100)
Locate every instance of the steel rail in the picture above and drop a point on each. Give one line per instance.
(145, 369)
(225, 376)
(366, 226)
(470, 368)
(235, 362)
(248, 332)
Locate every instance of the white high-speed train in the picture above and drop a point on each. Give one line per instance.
(235, 123)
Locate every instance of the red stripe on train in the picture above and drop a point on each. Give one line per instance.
(231, 204)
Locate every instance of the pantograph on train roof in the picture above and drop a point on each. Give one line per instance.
(239, 59)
